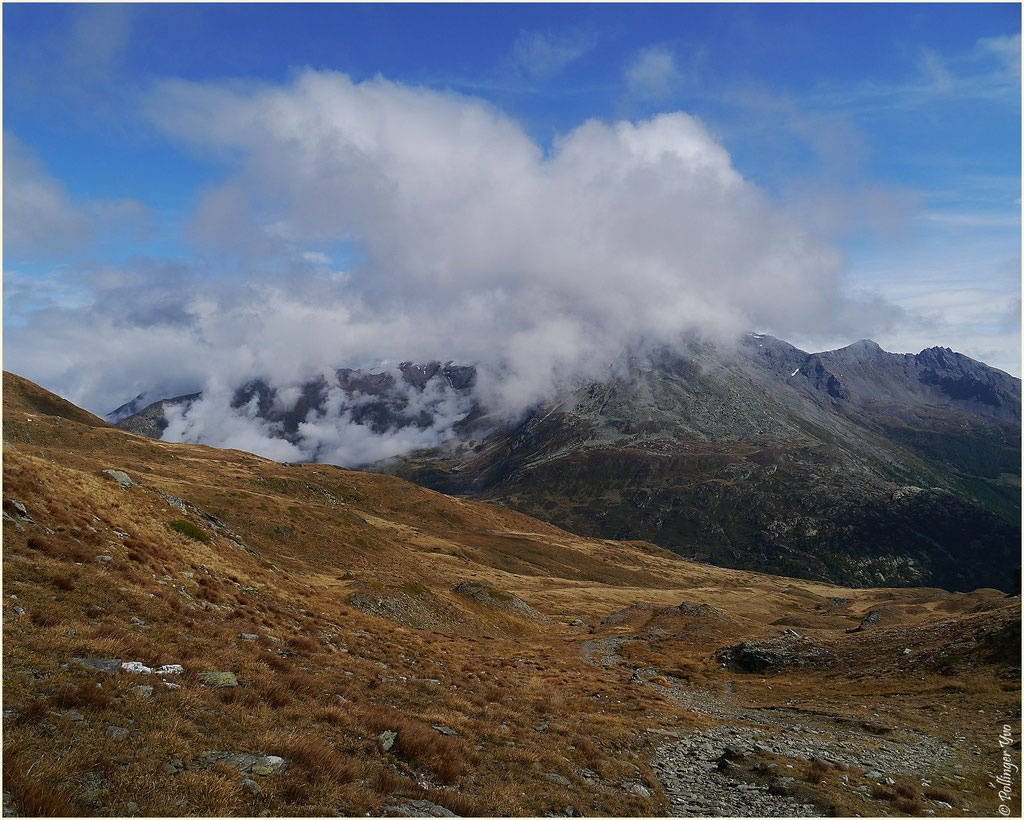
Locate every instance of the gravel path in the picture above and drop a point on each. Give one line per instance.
(688, 766)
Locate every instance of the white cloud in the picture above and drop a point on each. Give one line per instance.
(652, 73)
(473, 244)
(316, 257)
(934, 69)
(1005, 48)
(544, 54)
(38, 211)
(42, 218)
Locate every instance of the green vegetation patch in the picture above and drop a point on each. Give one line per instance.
(413, 589)
(189, 530)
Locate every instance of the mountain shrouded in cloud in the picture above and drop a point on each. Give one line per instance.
(461, 238)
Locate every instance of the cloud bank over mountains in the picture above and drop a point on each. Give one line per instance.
(373, 221)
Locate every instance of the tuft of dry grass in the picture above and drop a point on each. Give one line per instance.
(61, 548)
(83, 697)
(34, 711)
(591, 753)
(816, 772)
(460, 803)
(35, 799)
(939, 793)
(317, 758)
(386, 780)
(419, 744)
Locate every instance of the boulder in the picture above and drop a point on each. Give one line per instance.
(248, 763)
(487, 595)
(417, 808)
(16, 513)
(770, 656)
(109, 665)
(218, 679)
(120, 477)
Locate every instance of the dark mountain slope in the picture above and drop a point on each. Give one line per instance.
(767, 457)
(856, 465)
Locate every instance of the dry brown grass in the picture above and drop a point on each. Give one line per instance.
(911, 806)
(317, 758)
(419, 743)
(939, 793)
(387, 531)
(816, 771)
(84, 696)
(34, 798)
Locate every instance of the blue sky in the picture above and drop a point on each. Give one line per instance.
(888, 134)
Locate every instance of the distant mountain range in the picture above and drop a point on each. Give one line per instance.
(856, 465)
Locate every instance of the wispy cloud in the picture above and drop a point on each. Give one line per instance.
(543, 54)
(652, 73)
(43, 219)
(39, 214)
(77, 65)
(1006, 49)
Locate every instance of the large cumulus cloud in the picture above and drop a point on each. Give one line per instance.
(461, 237)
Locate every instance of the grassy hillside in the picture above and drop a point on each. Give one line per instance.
(328, 665)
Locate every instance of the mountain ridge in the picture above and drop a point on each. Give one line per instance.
(807, 457)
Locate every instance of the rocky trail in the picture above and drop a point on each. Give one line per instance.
(729, 769)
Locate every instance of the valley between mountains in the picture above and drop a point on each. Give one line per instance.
(195, 631)
(855, 466)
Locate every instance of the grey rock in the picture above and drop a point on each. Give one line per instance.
(577, 622)
(109, 665)
(121, 478)
(444, 730)
(251, 786)
(116, 733)
(248, 763)
(174, 501)
(16, 513)
(386, 740)
(171, 767)
(417, 808)
(218, 679)
(74, 716)
(143, 691)
(247, 636)
(103, 559)
(557, 779)
(487, 595)
(131, 807)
